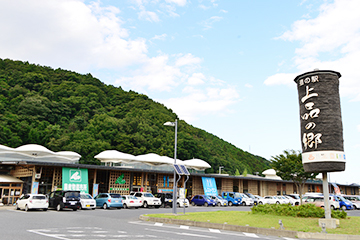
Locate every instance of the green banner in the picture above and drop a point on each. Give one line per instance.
(75, 179)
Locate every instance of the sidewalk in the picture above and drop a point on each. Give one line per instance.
(262, 231)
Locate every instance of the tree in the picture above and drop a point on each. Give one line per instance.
(289, 166)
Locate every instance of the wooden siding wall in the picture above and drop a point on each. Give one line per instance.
(289, 188)
(226, 185)
(123, 189)
(253, 187)
(197, 186)
(21, 171)
(272, 188)
(57, 178)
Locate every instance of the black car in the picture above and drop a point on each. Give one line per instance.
(166, 199)
(64, 199)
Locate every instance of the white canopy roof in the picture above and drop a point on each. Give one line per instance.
(34, 152)
(115, 156)
(271, 173)
(196, 164)
(152, 159)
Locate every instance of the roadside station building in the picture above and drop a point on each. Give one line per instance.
(36, 169)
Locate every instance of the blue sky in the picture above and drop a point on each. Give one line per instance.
(223, 66)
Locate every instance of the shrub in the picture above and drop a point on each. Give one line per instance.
(305, 210)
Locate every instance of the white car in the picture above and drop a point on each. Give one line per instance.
(147, 199)
(180, 202)
(32, 201)
(130, 201)
(261, 200)
(246, 201)
(274, 200)
(283, 199)
(87, 201)
(293, 201)
(220, 201)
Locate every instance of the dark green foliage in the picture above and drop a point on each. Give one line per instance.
(67, 111)
(305, 210)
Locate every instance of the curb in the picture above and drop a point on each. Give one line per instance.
(262, 231)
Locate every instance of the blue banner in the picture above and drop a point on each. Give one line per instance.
(209, 185)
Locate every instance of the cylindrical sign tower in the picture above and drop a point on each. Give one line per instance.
(321, 124)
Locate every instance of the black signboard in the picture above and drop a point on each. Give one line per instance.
(320, 120)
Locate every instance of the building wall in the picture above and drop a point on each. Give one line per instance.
(226, 185)
(253, 187)
(197, 186)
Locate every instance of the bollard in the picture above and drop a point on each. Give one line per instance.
(281, 225)
(323, 228)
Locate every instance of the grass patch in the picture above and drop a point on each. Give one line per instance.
(350, 225)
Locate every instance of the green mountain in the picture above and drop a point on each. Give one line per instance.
(67, 111)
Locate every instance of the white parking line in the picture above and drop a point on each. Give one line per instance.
(251, 235)
(214, 230)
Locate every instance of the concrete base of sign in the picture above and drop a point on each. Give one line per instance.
(324, 167)
(329, 222)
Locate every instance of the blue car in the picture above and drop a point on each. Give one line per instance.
(234, 198)
(344, 204)
(109, 200)
(202, 200)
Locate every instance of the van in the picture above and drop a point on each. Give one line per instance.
(319, 202)
(61, 199)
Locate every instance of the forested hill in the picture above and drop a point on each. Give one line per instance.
(67, 111)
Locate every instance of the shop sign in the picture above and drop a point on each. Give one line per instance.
(75, 179)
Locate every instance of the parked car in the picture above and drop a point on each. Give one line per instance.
(354, 199)
(166, 199)
(274, 200)
(219, 200)
(233, 198)
(87, 201)
(261, 200)
(131, 201)
(344, 204)
(293, 201)
(147, 199)
(319, 202)
(284, 199)
(202, 200)
(181, 202)
(246, 201)
(109, 200)
(252, 197)
(32, 201)
(61, 199)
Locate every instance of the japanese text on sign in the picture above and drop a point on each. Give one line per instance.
(310, 139)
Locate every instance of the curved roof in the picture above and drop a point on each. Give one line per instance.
(196, 164)
(35, 153)
(114, 156)
(271, 173)
(152, 159)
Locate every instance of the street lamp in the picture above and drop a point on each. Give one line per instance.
(174, 124)
(220, 169)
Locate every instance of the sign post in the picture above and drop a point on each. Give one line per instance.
(321, 125)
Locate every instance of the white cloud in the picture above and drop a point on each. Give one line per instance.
(177, 2)
(161, 37)
(204, 102)
(282, 79)
(335, 32)
(67, 34)
(154, 74)
(208, 23)
(196, 79)
(187, 59)
(248, 85)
